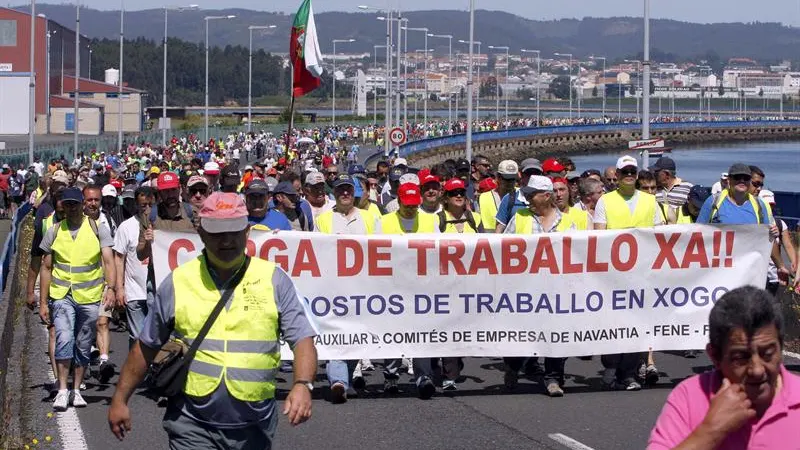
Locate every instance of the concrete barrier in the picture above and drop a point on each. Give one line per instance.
(529, 142)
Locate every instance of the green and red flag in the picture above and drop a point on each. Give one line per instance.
(305, 53)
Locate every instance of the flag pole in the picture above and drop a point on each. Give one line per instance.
(291, 110)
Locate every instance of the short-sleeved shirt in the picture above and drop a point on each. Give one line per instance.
(504, 213)
(600, 210)
(273, 219)
(44, 210)
(219, 409)
(688, 404)
(677, 195)
(730, 213)
(125, 242)
(103, 234)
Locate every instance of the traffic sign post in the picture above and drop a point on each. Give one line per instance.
(646, 144)
(397, 136)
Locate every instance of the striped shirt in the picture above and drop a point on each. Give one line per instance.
(675, 196)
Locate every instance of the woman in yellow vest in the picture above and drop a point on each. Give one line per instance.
(241, 349)
(578, 216)
(77, 265)
(541, 216)
(455, 217)
(627, 207)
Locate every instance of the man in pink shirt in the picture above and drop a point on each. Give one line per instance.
(749, 400)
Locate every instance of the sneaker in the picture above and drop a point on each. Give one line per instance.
(366, 365)
(651, 377)
(105, 371)
(449, 385)
(632, 385)
(357, 373)
(554, 390)
(77, 399)
(61, 401)
(691, 354)
(390, 386)
(426, 388)
(510, 379)
(82, 386)
(410, 369)
(338, 393)
(359, 382)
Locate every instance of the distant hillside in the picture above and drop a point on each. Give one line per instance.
(616, 38)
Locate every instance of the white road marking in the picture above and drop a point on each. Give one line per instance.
(568, 442)
(69, 426)
(792, 354)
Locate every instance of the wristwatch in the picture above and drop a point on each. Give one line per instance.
(306, 383)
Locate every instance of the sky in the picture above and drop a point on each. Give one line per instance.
(701, 11)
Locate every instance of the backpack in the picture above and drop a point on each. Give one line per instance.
(470, 220)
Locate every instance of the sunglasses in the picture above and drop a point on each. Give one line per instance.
(194, 192)
(757, 184)
(458, 193)
(627, 172)
(745, 178)
(332, 173)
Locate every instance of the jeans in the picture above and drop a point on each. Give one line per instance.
(623, 365)
(136, 311)
(185, 433)
(75, 326)
(554, 370)
(341, 371)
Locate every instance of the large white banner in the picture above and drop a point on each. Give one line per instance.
(506, 295)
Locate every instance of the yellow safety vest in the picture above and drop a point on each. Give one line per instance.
(423, 223)
(523, 220)
(488, 206)
(451, 227)
(374, 210)
(48, 222)
(325, 221)
(242, 346)
(260, 227)
(618, 215)
(77, 265)
(753, 202)
(579, 217)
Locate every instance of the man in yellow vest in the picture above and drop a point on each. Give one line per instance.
(626, 207)
(541, 216)
(228, 400)
(77, 273)
(409, 219)
(488, 202)
(345, 218)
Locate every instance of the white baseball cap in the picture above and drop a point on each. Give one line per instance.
(724, 176)
(400, 162)
(409, 178)
(627, 161)
(537, 183)
(109, 191)
(768, 196)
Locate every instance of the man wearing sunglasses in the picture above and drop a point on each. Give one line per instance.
(625, 207)
(672, 192)
(287, 201)
(514, 201)
(489, 202)
(736, 205)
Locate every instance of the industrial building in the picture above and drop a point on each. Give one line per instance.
(55, 82)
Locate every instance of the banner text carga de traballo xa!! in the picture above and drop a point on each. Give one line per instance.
(506, 295)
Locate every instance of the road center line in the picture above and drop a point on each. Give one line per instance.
(568, 442)
(69, 425)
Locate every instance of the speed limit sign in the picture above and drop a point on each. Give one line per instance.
(397, 136)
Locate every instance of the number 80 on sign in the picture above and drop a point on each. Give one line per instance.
(397, 136)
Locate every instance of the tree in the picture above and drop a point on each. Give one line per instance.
(721, 90)
(559, 87)
(525, 93)
(594, 91)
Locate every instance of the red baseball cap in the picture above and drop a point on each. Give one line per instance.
(168, 180)
(552, 165)
(409, 195)
(559, 180)
(454, 184)
(423, 173)
(117, 184)
(428, 178)
(486, 185)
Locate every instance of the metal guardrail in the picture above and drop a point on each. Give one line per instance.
(519, 133)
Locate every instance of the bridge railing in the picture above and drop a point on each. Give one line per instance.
(520, 133)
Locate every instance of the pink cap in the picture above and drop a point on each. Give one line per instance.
(223, 212)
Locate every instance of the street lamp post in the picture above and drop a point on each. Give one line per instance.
(333, 105)
(538, 76)
(207, 19)
(570, 80)
(250, 74)
(470, 86)
(638, 83)
(646, 83)
(32, 86)
(119, 80)
(449, 77)
(76, 114)
(388, 107)
(471, 68)
(505, 94)
(375, 90)
(424, 75)
(47, 77)
(164, 87)
(602, 77)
